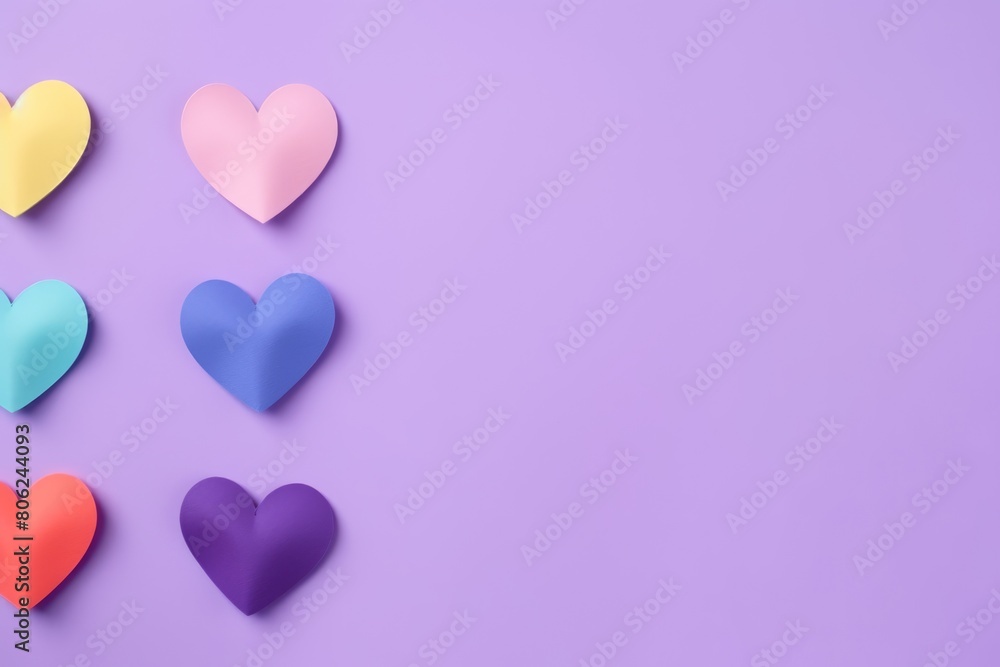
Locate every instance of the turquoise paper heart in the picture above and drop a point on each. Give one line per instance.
(41, 335)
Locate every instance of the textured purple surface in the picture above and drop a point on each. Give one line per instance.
(255, 554)
(514, 294)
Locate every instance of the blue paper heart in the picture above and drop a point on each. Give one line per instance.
(41, 335)
(258, 352)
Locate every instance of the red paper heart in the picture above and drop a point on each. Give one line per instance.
(62, 521)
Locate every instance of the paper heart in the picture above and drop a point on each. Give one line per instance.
(41, 335)
(260, 161)
(42, 138)
(62, 521)
(258, 351)
(255, 555)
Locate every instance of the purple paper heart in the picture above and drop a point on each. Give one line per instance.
(256, 554)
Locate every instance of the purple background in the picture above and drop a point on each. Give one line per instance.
(495, 346)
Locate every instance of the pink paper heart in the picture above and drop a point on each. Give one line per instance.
(260, 161)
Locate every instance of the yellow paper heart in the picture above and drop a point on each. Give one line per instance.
(42, 138)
